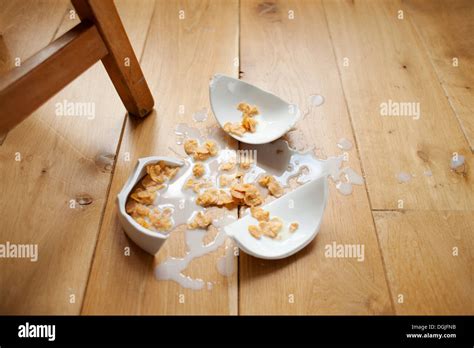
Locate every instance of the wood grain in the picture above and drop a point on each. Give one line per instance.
(387, 61)
(63, 158)
(446, 29)
(180, 57)
(407, 252)
(27, 87)
(422, 264)
(293, 58)
(26, 26)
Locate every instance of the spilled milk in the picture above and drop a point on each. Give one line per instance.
(201, 115)
(287, 165)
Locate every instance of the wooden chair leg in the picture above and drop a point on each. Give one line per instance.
(121, 63)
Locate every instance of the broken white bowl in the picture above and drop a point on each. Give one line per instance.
(305, 205)
(276, 115)
(150, 241)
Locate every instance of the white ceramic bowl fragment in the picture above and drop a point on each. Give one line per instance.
(150, 241)
(304, 205)
(276, 115)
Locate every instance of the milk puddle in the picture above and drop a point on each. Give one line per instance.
(290, 167)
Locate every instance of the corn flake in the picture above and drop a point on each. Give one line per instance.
(227, 166)
(271, 228)
(198, 170)
(260, 214)
(249, 124)
(201, 220)
(208, 197)
(190, 146)
(255, 231)
(143, 196)
(272, 185)
(234, 128)
(246, 193)
(142, 222)
(161, 221)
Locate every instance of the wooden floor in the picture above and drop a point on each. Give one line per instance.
(357, 54)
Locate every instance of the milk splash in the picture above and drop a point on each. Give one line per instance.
(172, 269)
(287, 165)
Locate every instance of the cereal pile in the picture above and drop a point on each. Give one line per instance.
(248, 123)
(233, 191)
(140, 202)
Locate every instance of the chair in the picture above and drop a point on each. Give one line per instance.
(99, 36)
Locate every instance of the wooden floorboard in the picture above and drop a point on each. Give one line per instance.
(417, 235)
(62, 159)
(180, 57)
(293, 58)
(381, 58)
(446, 29)
(429, 260)
(388, 60)
(26, 27)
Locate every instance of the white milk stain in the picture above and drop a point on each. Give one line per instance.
(225, 264)
(353, 177)
(276, 158)
(457, 162)
(428, 173)
(344, 187)
(344, 144)
(172, 269)
(183, 132)
(403, 177)
(182, 202)
(285, 163)
(316, 100)
(201, 115)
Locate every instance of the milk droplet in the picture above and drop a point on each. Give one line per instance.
(457, 161)
(344, 187)
(184, 131)
(201, 115)
(353, 177)
(344, 144)
(316, 99)
(403, 177)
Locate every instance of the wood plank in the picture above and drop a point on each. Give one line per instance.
(387, 61)
(180, 57)
(446, 29)
(421, 262)
(24, 89)
(293, 58)
(121, 63)
(63, 158)
(26, 26)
